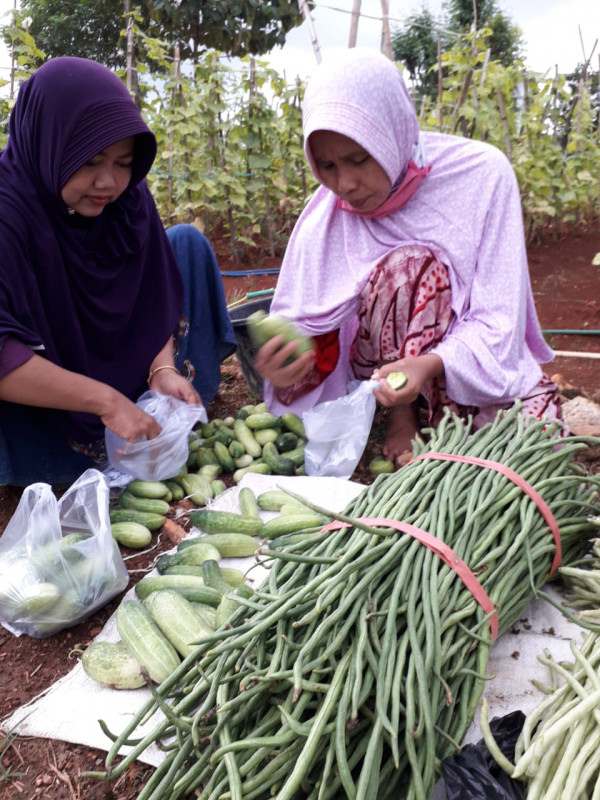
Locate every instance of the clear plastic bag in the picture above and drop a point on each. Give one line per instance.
(58, 560)
(338, 430)
(162, 457)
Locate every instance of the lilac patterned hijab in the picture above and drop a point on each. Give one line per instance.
(467, 211)
(98, 296)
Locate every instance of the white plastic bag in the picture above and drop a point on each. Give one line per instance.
(58, 560)
(162, 457)
(338, 430)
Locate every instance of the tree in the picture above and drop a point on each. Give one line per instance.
(415, 44)
(93, 29)
(506, 41)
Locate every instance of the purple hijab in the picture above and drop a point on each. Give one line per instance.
(98, 296)
(467, 211)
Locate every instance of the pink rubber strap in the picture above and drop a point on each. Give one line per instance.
(441, 549)
(520, 482)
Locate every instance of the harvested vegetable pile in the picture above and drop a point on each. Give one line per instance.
(557, 753)
(358, 665)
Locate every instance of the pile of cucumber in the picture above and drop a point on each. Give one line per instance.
(220, 450)
(192, 595)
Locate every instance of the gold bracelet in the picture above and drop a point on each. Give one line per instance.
(153, 372)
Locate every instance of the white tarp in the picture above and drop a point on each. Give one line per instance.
(70, 709)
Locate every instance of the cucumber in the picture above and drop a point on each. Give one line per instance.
(297, 455)
(147, 504)
(218, 487)
(190, 586)
(291, 523)
(260, 467)
(243, 461)
(189, 556)
(266, 435)
(293, 423)
(149, 489)
(176, 489)
(68, 609)
(211, 471)
(152, 521)
(280, 465)
(212, 521)
(207, 429)
(286, 441)
(244, 435)
(224, 456)
(248, 504)
(36, 599)
(234, 577)
(211, 575)
(261, 421)
(206, 456)
(396, 380)
(175, 616)
(112, 665)
(229, 604)
(197, 488)
(273, 499)
(262, 327)
(193, 442)
(381, 466)
(233, 545)
(131, 534)
(145, 641)
(236, 449)
(52, 556)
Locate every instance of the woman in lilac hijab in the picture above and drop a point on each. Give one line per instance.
(409, 257)
(91, 292)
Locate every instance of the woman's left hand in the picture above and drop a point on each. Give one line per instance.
(167, 381)
(418, 370)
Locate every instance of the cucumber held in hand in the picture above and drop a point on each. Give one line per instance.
(262, 327)
(396, 380)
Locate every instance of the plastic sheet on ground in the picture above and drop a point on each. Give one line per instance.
(70, 709)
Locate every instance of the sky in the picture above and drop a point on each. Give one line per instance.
(557, 33)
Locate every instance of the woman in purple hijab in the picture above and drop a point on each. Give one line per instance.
(409, 257)
(91, 292)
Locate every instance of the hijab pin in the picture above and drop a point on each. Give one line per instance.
(70, 211)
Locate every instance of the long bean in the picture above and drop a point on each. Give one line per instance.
(360, 661)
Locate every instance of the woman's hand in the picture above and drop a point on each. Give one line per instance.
(126, 419)
(418, 370)
(270, 363)
(168, 381)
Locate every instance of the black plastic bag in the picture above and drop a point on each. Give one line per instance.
(472, 774)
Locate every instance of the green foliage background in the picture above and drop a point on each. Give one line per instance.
(230, 138)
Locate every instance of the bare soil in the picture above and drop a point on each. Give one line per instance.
(567, 295)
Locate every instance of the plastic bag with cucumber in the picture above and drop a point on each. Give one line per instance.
(58, 560)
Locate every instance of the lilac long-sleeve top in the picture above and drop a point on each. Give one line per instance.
(467, 211)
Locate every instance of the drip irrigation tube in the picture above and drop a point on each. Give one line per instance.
(242, 273)
(584, 332)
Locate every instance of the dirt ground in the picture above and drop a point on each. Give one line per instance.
(567, 295)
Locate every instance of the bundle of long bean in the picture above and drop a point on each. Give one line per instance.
(359, 664)
(557, 754)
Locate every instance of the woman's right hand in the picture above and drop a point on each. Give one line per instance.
(128, 420)
(270, 363)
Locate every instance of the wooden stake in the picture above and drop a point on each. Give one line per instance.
(354, 23)
(313, 35)
(386, 39)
